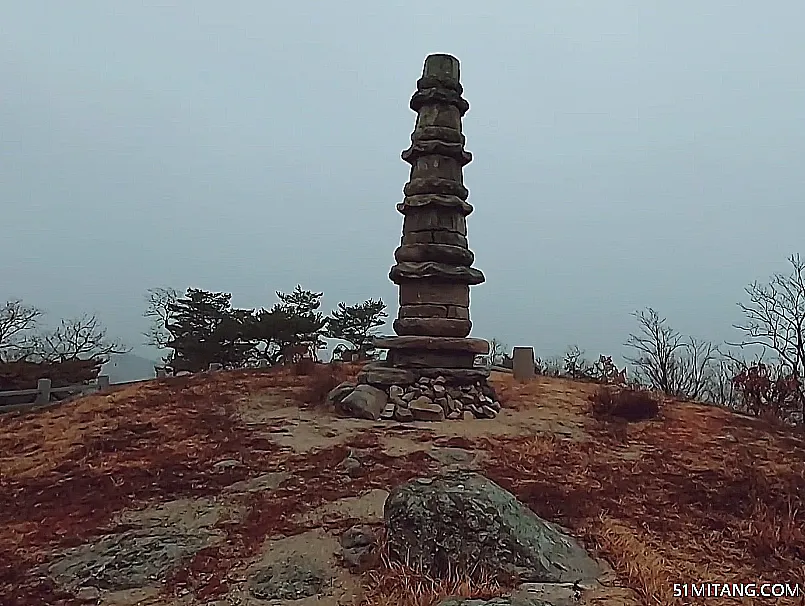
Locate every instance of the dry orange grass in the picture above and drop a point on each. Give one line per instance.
(394, 583)
(697, 494)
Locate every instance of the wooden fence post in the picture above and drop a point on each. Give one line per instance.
(42, 391)
(103, 382)
(161, 374)
(215, 367)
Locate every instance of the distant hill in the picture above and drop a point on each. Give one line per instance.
(128, 367)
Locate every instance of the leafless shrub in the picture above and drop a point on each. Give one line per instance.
(629, 405)
(78, 338)
(775, 321)
(17, 321)
(666, 361)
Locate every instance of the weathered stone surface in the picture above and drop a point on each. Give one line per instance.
(413, 203)
(416, 359)
(434, 159)
(396, 391)
(359, 548)
(137, 558)
(292, 579)
(435, 185)
(388, 411)
(409, 270)
(423, 409)
(421, 292)
(445, 118)
(434, 327)
(339, 392)
(456, 311)
(476, 346)
(456, 376)
(364, 402)
(523, 363)
(403, 414)
(380, 374)
(463, 523)
(444, 253)
(488, 412)
(434, 237)
(423, 311)
(433, 217)
(530, 594)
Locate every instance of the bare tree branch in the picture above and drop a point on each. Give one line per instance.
(775, 318)
(666, 361)
(76, 339)
(16, 321)
(158, 311)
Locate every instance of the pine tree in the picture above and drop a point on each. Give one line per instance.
(205, 329)
(355, 324)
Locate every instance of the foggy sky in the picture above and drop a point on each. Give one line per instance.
(626, 154)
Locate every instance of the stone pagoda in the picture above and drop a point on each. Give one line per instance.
(429, 372)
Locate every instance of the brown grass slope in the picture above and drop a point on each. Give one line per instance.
(696, 494)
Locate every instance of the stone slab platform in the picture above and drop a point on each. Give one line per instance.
(413, 342)
(380, 374)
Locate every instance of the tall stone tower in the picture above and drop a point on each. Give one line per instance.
(429, 373)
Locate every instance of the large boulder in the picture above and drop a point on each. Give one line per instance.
(364, 402)
(462, 522)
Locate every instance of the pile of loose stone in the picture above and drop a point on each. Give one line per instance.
(433, 400)
(404, 395)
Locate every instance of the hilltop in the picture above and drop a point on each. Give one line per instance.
(230, 473)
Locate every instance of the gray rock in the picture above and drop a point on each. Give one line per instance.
(398, 402)
(227, 464)
(358, 536)
(423, 409)
(339, 392)
(452, 456)
(136, 558)
(438, 389)
(468, 416)
(396, 391)
(385, 376)
(453, 415)
(291, 579)
(350, 464)
(359, 548)
(495, 406)
(403, 415)
(388, 411)
(463, 523)
(364, 402)
(488, 412)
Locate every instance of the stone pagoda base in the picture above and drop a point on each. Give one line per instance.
(422, 379)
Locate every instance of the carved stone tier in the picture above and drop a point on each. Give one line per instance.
(383, 374)
(432, 352)
(476, 346)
